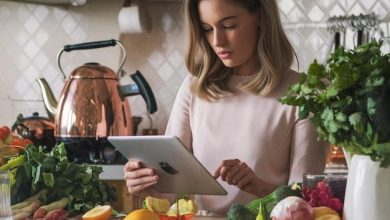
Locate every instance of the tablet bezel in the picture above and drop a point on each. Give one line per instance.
(188, 175)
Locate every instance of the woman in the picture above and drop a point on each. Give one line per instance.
(227, 111)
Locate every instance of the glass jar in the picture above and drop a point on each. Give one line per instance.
(5, 197)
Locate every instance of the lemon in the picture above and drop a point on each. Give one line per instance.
(98, 213)
(325, 213)
(159, 206)
(142, 214)
(185, 207)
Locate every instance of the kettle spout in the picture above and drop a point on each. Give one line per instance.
(48, 98)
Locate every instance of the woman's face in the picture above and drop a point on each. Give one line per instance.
(232, 33)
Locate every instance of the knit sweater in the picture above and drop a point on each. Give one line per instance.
(258, 130)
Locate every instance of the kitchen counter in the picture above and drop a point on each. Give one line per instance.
(208, 218)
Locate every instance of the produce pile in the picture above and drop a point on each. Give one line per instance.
(46, 185)
(182, 209)
(161, 209)
(10, 145)
(290, 202)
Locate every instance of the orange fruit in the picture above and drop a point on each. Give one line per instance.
(98, 213)
(142, 214)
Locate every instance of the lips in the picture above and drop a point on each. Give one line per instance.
(224, 54)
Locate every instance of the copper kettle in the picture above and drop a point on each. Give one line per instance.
(92, 103)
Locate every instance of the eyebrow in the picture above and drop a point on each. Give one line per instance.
(223, 19)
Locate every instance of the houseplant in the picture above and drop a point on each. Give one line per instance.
(348, 101)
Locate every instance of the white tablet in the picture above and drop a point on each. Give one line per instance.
(180, 172)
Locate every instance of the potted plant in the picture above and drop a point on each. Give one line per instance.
(348, 101)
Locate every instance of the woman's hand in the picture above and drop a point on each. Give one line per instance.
(238, 173)
(138, 177)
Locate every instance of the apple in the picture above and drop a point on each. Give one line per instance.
(4, 132)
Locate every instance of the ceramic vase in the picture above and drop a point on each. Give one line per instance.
(367, 194)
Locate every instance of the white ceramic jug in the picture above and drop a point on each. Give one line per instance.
(367, 194)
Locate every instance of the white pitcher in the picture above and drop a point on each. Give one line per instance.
(367, 194)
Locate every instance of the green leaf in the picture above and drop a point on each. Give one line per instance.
(48, 179)
(333, 127)
(327, 114)
(316, 69)
(383, 148)
(303, 112)
(341, 117)
(69, 188)
(355, 118)
(331, 92)
(371, 106)
(37, 174)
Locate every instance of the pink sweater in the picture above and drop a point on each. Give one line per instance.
(258, 130)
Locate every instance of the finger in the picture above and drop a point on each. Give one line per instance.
(138, 188)
(224, 171)
(141, 181)
(231, 174)
(131, 165)
(230, 162)
(225, 164)
(245, 181)
(243, 170)
(136, 174)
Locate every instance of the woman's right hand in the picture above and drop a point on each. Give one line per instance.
(138, 177)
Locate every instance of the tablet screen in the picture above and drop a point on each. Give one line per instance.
(179, 171)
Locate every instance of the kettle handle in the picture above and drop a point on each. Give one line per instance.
(92, 45)
(145, 91)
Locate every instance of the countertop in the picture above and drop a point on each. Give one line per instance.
(208, 218)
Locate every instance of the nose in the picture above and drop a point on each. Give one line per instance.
(219, 38)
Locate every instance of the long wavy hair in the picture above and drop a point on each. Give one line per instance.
(274, 52)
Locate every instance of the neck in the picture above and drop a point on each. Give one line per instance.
(249, 68)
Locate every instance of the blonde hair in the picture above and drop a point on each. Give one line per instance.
(274, 51)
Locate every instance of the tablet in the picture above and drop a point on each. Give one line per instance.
(179, 171)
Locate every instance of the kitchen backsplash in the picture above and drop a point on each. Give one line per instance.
(31, 36)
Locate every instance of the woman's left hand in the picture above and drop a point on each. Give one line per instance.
(238, 173)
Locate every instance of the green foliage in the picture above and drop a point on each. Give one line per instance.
(347, 100)
(61, 178)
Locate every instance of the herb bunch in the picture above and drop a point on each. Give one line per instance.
(348, 100)
(61, 178)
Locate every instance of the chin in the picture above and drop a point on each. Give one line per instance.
(229, 63)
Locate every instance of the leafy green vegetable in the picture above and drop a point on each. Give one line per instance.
(240, 212)
(348, 100)
(22, 187)
(64, 179)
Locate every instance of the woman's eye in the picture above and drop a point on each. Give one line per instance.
(207, 29)
(229, 26)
